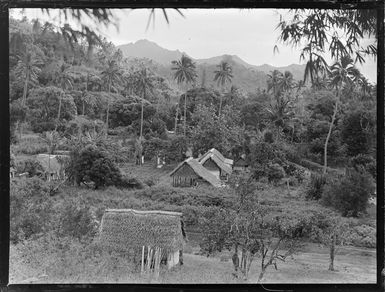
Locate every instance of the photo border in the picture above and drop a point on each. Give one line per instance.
(5, 134)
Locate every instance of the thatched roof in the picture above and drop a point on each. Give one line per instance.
(124, 229)
(200, 170)
(49, 162)
(222, 162)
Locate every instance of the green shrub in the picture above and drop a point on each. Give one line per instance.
(77, 220)
(32, 166)
(364, 162)
(28, 147)
(30, 208)
(275, 172)
(350, 194)
(91, 165)
(129, 183)
(362, 236)
(316, 186)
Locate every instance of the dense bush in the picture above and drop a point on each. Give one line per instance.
(362, 235)
(30, 165)
(91, 165)
(316, 186)
(275, 172)
(184, 196)
(30, 208)
(358, 131)
(350, 194)
(77, 220)
(30, 146)
(363, 162)
(43, 106)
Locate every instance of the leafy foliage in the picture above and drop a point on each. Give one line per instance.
(350, 194)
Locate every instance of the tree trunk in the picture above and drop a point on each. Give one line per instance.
(328, 136)
(220, 105)
(261, 274)
(58, 112)
(108, 107)
(141, 116)
(332, 252)
(88, 74)
(185, 106)
(176, 119)
(25, 89)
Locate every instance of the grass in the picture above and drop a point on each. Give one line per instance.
(66, 260)
(79, 265)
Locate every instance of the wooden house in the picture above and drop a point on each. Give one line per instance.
(191, 173)
(217, 164)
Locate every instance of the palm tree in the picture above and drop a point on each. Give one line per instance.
(88, 98)
(273, 82)
(65, 81)
(184, 73)
(144, 83)
(342, 73)
(286, 81)
(222, 76)
(111, 76)
(28, 68)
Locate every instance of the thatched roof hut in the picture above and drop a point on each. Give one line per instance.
(214, 161)
(219, 155)
(53, 165)
(190, 173)
(124, 230)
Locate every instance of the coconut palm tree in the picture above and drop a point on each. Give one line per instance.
(273, 80)
(184, 72)
(88, 98)
(286, 81)
(223, 75)
(144, 83)
(112, 76)
(342, 73)
(27, 69)
(64, 80)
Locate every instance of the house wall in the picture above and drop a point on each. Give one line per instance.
(184, 177)
(211, 166)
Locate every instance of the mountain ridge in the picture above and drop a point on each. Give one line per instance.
(246, 76)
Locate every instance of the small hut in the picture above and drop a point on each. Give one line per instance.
(157, 236)
(53, 165)
(217, 164)
(191, 173)
(240, 164)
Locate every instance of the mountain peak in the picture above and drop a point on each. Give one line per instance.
(144, 48)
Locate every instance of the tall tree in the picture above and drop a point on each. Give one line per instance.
(28, 69)
(342, 73)
(222, 76)
(338, 32)
(64, 80)
(112, 76)
(144, 83)
(184, 72)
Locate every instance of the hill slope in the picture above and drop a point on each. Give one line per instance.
(246, 76)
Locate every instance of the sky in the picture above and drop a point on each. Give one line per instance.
(203, 33)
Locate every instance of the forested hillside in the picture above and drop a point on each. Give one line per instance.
(293, 170)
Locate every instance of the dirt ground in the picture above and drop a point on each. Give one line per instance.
(352, 265)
